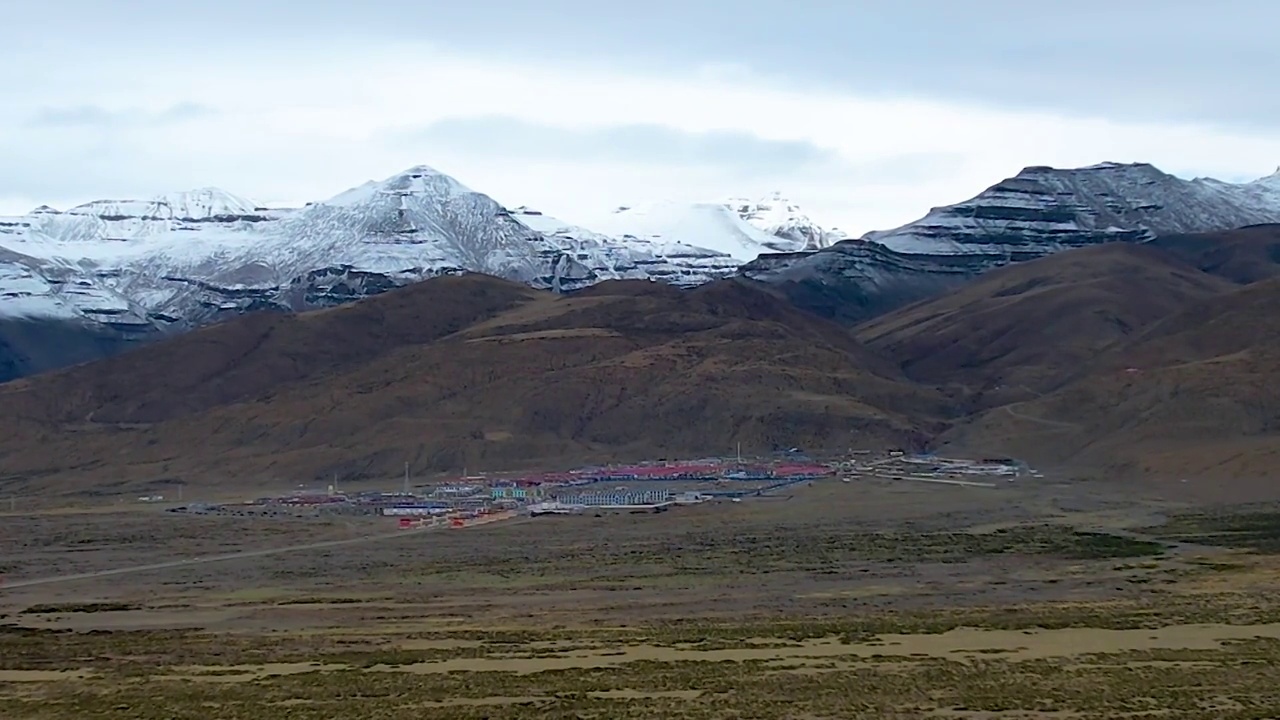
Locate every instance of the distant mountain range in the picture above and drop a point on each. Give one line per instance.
(184, 259)
(1038, 212)
(105, 274)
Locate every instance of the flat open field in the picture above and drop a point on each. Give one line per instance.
(871, 599)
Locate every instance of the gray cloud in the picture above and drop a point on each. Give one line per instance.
(96, 116)
(1136, 59)
(501, 136)
(904, 169)
(741, 155)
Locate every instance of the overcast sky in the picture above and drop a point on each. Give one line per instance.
(866, 113)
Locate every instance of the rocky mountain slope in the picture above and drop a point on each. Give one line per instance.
(1043, 210)
(618, 259)
(854, 279)
(460, 371)
(1038, 212)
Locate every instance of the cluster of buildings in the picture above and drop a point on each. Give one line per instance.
(644, 486)
(1005, 467)
(618, 499)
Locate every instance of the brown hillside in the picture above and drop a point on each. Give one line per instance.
(457, 372)
(1194, 397)
(244, 359)
(1242, 256)
(1024, 329)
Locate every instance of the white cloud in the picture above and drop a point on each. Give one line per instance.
(300, 124)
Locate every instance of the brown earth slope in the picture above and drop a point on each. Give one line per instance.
(455, 372)
(255, 354)
(1023, 330)
(1242, 256)
(1194, 398)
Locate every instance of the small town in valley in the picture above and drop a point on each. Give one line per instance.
(644, 487)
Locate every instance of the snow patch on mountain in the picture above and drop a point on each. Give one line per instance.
(714, 226)
(25, 294)
(776, 215)
(1266, 189)
(630, 258)
(32, 289)
(192, 205)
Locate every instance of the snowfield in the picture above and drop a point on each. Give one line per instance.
(723, 228)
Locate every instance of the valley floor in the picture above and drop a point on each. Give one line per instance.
(872, 599)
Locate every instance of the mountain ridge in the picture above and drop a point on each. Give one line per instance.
(212, 239)
(146, 269)
(1038, 212)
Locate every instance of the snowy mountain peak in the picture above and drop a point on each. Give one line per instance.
(422, 180)
(419, 180)
(772, 206)
(44, 210)
(1272, 180)
(190, 205)
(713, 226)
(737, 227)
(1102, 169)
(206, 203)
(421, 170)
(777, 215)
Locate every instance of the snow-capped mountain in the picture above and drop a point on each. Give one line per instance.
(1039, 211)
(778, 216)
(184, 259)
(1042, 210)
(135, 269)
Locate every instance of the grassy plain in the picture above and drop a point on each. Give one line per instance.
(871, 599)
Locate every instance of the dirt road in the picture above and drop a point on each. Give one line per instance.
(190, 562)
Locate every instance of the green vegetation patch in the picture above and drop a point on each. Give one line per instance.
(815, 549)
(317, 600)
(1257, 530)
(1234, 682)
(92, 607)
(869, 665)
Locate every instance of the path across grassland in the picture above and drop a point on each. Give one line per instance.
(203, 560)
(1041, 421)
